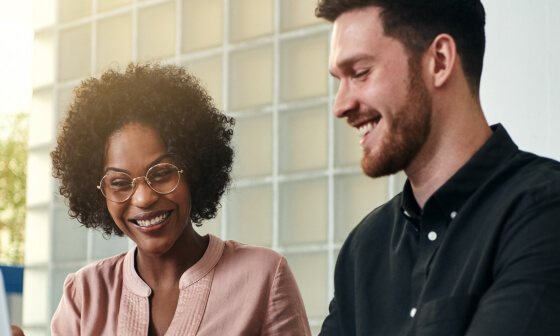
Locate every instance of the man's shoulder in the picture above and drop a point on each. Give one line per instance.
(379, 219)
(532, 176)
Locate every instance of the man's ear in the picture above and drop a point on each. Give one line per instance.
(442, 55)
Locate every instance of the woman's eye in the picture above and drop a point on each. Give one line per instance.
(120, 183)
(160, 174)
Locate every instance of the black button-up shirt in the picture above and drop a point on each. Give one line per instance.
(481, 258)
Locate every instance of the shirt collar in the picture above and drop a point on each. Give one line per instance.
(208, 261)
(455, 192)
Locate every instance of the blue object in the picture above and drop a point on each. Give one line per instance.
(13, 279)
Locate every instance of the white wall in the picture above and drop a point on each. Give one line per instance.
(521, 76)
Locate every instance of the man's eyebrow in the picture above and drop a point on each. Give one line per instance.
(156, 161)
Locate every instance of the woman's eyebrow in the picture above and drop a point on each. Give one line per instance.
(156, 161)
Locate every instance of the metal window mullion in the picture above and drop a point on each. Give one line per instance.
(275, 128)
(331, 258)
(225, 94)
(178, 30)
(134, 30)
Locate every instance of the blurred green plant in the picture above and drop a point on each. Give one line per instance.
(13, 178)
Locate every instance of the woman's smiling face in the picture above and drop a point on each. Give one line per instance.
(155, 222)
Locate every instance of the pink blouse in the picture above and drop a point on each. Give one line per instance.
(234, 289)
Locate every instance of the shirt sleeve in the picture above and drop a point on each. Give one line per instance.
(285, 310)
(331, 326)
(66, 319)
(524, 297)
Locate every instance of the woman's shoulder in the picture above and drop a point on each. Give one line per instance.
(107, 271)
(246, 252)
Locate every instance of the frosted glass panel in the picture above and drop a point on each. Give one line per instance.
(105, 5)
(304, 68)
(355, 197)
(209, 71)
(41, 118)
(69, 238)
(64, 97)
(303, 212)
(74, 52)
(212, 226)
(347, 150)
(57, 286)
(37, 236)
(253, 146)
(250, 82)
(202, 24)
(156, 31)
(250, 18)
(43, 13)
(297, 14)
(69, 10)
(250, 215)
(35, 304)
(43, 59)
(303, 139)
(114, 42)
(39, 178)
(104, 248)
(311, 273)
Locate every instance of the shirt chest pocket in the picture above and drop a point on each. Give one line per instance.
(448, 316)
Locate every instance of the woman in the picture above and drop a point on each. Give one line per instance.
(158, 151)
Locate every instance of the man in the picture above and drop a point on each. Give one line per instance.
(472, 244)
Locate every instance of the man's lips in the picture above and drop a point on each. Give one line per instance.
(150, 219)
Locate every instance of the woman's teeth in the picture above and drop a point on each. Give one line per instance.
(366, 128)
(153, 221)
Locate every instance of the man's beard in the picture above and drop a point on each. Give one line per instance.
(406, 133)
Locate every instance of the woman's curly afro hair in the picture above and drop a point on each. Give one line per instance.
(164, 97)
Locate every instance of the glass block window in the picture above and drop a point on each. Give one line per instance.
(253, 146)
(107, 5)
(304, 71)
(42, 114)
(74, 52)
(304, 141)
(209, 71)
(355, 196)
(250, 215)
(251, 78)
(114, 42)
(156, 31)
(202, 24)
(296, 14)
(303, 212)
(250, 19)
(69, 10)
(43, 59)
(298, 187)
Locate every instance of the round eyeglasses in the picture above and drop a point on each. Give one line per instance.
(117, 186)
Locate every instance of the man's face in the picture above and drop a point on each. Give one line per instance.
(381, 93)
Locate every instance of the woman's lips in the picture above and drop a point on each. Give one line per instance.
(151, 222)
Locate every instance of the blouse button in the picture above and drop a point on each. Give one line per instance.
(412, 312)
(453, 214)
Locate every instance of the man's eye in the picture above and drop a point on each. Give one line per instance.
(361, 74)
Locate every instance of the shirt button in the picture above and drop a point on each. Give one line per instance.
(412, 312)
(432, 236)
(453, 214)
